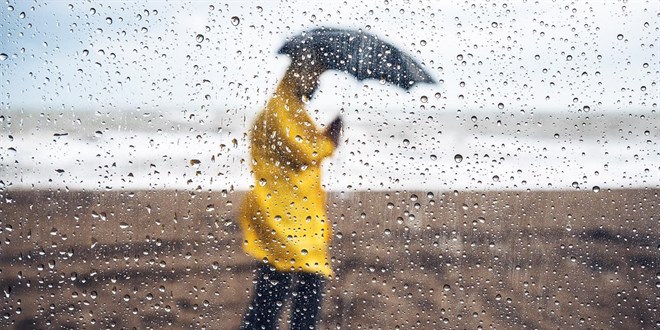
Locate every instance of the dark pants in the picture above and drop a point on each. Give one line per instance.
(273, 288)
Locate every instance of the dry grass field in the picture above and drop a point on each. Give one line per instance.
(403, 260)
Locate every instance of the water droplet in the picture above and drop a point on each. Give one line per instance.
(199, 38)
(22, 14)
(422, 42)
(260, 9)
(92, 11)
(53, 231)
(619, 36)
(390, 206)
(494, 24)
(108, 20)
(496, 178)
(387, 232)
(406, 142)
(569, 57)
(277, 218)
(424, 99)
(458, 158)
(586, 108)
(434, 157)
(123, 225)
(304, 252)
(235, 21)
(500, 105)
(595, 189)
(3, 56)
(144, 30)
(262, 182)
(437, 95)
(446, 287)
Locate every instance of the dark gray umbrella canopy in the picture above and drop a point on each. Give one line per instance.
(358, 53)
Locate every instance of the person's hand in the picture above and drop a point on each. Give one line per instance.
(334, 130)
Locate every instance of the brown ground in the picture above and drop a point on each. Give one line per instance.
(168, 259)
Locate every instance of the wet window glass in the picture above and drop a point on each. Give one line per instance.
(378, 165)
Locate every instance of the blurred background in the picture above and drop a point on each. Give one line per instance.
(521, 190)
(536, 96)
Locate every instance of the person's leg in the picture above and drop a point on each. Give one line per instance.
(307, 301)
(268, 298)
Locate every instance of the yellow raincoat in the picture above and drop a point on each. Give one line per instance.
(283, 217)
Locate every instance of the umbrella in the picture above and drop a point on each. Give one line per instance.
(358, 53)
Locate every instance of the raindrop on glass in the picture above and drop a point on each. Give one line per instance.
(458, 158)
(235, 21)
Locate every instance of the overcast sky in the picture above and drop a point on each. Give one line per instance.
(205, 56)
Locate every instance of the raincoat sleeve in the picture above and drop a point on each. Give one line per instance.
(302, 141)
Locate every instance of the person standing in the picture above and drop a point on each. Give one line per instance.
(283, 217)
